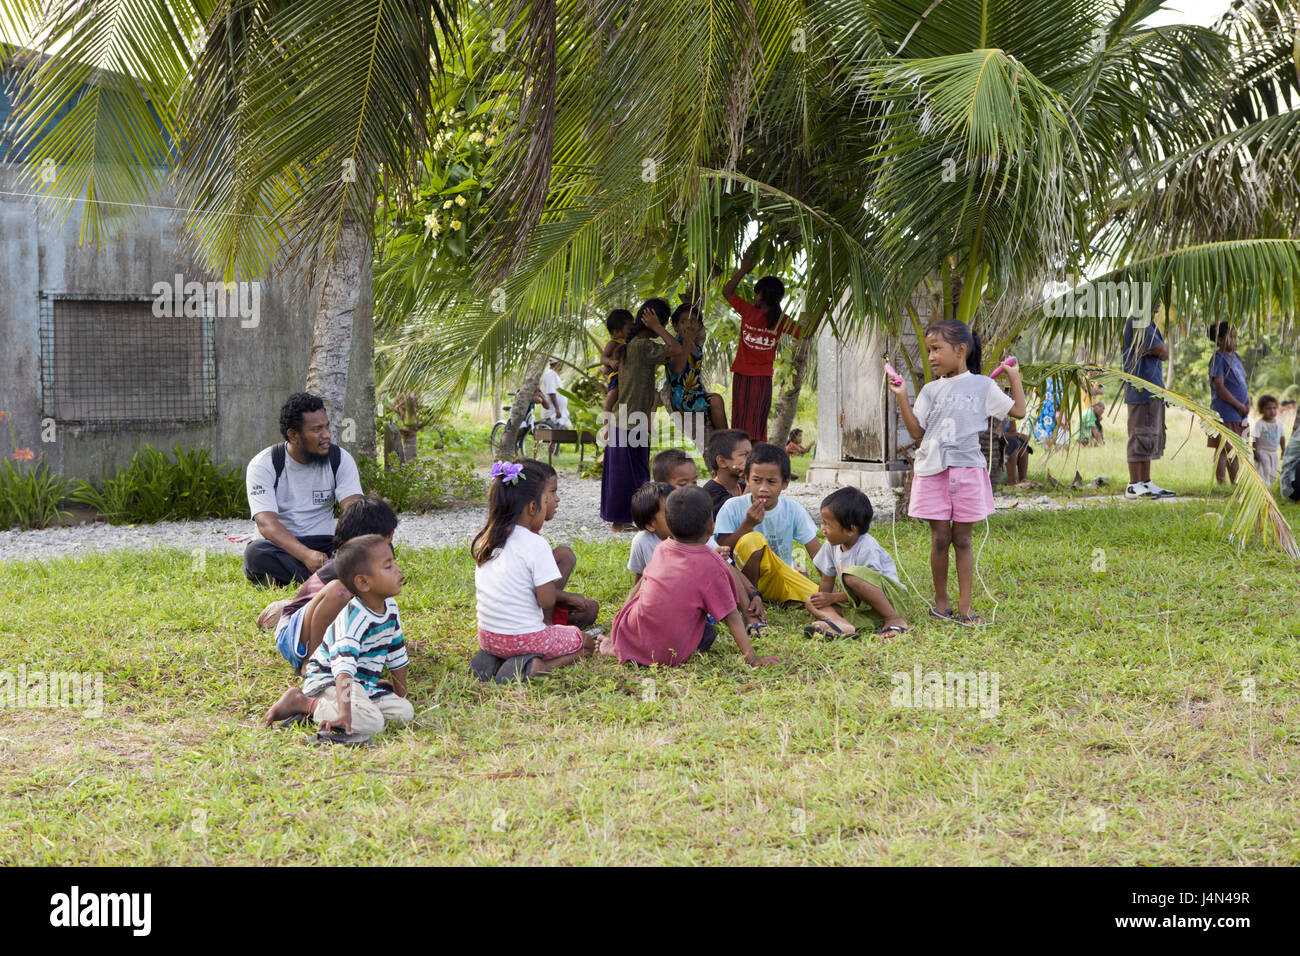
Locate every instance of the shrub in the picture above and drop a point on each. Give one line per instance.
(153, 487)
(420, 485)
(30, 496)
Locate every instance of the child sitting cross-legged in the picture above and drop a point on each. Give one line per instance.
(666, 617)
(856, 572)
(761, 528)
(570, 608)
(341, 687)
(516, 580)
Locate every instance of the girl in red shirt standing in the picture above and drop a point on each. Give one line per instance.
(761, 328)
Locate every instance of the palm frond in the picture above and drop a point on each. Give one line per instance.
(1254, 515)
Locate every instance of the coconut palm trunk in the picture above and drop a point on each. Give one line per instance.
(788, 404)
(524, 397)
(336, 316)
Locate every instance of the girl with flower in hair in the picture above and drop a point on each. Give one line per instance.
(517, 581)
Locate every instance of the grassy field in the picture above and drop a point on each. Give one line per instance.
(1123, 735)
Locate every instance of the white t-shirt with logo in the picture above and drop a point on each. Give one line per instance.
(304, 499)
(954, 411)
(506, 585)
(551, 386)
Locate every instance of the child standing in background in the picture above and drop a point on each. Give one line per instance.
(761, 326)
(950, 485)
(1269, 441)
(619, 326)
(516, 580)
(1229, 397)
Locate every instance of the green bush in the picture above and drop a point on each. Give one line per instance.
(154, 487)
(29, 497)
(420, 485)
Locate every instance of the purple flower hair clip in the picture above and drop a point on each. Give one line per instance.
(507, 471)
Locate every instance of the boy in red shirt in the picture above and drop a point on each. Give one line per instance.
(761, 328)
(664, 619)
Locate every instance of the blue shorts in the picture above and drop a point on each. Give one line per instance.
(287, 639)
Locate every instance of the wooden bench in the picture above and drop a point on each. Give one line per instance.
(554, 437)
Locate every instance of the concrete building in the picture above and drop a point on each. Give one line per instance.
(101, 352)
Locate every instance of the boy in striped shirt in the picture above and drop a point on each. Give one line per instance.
(341, 688)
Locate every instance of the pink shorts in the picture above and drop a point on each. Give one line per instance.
(551, 642)
(955, 494)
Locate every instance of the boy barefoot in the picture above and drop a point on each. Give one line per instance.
(341, 687)
(665, 619)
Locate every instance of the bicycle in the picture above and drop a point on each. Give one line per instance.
(525, 429)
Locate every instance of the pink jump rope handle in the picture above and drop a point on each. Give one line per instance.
(893, 375)
(1006, 364)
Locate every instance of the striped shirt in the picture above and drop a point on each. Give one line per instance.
(361, 643)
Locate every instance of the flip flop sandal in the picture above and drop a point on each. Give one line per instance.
(297, 720)
(814, 630)
(970, 620)
(484, 666)
(326, 737)
(889, 629)
(755, 627)
(515, 669)
(942, 615)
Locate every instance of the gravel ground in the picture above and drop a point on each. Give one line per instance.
(577, 519)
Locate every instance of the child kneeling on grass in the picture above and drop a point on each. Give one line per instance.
(341, 687)
(856, 571)
(665, 619)
(761, 527)
(516, 581)
(300, 624)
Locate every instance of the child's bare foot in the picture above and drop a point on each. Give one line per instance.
(291, 703)
(270, 615)
(606, 645)
(620, 526)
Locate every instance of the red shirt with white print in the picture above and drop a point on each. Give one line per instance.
(757, 349)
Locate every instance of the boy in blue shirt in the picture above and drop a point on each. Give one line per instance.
(761, 527)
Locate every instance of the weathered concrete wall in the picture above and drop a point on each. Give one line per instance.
(256, 367)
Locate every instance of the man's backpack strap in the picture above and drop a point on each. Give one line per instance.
(277, 462)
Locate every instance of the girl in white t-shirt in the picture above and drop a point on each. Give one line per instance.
(516, 581)
(950, 482)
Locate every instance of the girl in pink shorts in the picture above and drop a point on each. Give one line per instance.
(950, 486)
(516, 579)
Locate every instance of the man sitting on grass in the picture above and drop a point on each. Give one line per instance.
(341, 687)
(292, 489)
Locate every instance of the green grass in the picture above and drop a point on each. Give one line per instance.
(1102, 712)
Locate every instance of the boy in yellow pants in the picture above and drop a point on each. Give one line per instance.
(761, 527)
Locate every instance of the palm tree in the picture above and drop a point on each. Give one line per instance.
(277, 122)
(954, 156)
